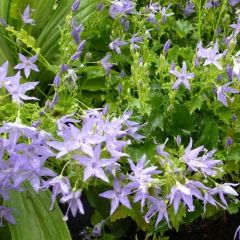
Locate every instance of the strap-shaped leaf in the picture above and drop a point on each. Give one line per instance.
(4, 9)
(33, 218)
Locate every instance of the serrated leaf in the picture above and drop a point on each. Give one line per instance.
(107, 236)
(34, 219)
(176, 219)
(96, 218)
(173, 54)
(233, 207)
(134, 213)
(196, 103)
(25, 38)
(183, 28)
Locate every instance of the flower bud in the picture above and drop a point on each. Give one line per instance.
(56, 81)
(75, 5)
(166, 46)
(178, 140)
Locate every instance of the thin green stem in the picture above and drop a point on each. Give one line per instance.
(64, 167)
(219, 18)
(199, 19)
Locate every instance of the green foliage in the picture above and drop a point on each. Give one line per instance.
(176, 219)
(34, 218)
(145, 87)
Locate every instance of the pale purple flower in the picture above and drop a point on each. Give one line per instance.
(160, 149)
(18, 90)
(74, 203)
(106, 64)
(208, 198)
(233, 2)
(211, 55)
(54, 101)
(164, 14)
(60, 185)
(196, 187)
(201, 52)
(212, 3)
(31, 159)
(94, 165)
(222, 93)
(236, 27)
(179, 193)
(157, 206)
(117, 195)
(204, 164)
(141, 178)
(189, 9)
(6, 213)
(26, 16)
(3, 74)
(152, 18)
(121, 7)
(116, 44)
(182, 77)
(222, 189)
(15, 130)
(153, 7)
(75, 139)
(65, 120)
(72, 75)
(27, 64)
(134, 40)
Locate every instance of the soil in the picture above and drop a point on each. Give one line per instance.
(222, 228)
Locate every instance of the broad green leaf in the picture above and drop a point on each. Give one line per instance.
(34, 220)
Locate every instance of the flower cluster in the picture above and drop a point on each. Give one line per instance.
(23, 153)
(12, 84)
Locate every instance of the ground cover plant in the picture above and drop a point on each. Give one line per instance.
(132, 106)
